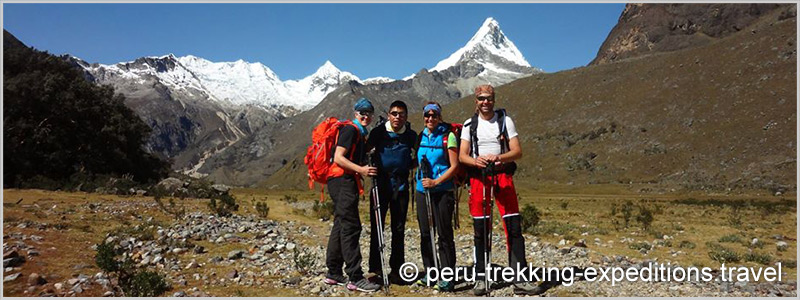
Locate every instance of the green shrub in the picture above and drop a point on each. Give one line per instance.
(761, 258)
(687, 245)
(304, 261)
(323, 210)
(225, 206)
(640, 246)
(105, 258)
(721, 254)
(564, 205)
(758, 244)
(731, 238)
(645, 217)
(133, 282)
(530, 218)
(289, 199)
(790, 263)
(145, 284)
(171, 208)
(263, 209)
(627, 212)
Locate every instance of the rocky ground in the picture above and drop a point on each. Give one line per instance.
(201, 254)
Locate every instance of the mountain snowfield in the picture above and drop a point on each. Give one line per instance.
(244, 83)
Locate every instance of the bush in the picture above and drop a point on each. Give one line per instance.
(171, 208)
(687, 245)
(133, 282)
(731, 238)
(289, 199)
(105, 258)
(263, 209)
(761, 258)
(323, 210)
(305, 261)
(792, 264)
(758, 244)
(645, 217)
(225, 206)
(721, 254)
(564, 205)
(627, 212)
(640, 246)
(530, 218)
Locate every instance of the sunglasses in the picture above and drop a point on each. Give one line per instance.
(365, 113)
(398, 114)
(484, 98)
(427, 116)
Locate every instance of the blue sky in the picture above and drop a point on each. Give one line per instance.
(369, 40)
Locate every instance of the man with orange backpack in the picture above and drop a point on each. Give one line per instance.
(344, 186)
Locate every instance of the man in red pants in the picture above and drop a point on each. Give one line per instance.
(489, 139)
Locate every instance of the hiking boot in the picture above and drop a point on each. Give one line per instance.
(424, 281)
(526, 288)
(444, 286)
(363, 285)
(334, 279)
(377, 279)
(480, 288)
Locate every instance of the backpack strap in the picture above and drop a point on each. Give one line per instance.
(503, 137)
(473, 135)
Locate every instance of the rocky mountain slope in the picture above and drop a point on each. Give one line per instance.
(653, 28)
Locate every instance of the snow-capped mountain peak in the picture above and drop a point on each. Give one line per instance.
(488, 41)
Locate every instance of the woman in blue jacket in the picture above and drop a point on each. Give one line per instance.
(437, 152)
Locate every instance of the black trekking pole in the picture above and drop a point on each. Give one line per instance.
(456, 224)
(487, 229)
(425, 168)
(376, 201)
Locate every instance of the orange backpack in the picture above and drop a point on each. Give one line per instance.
(319, 156)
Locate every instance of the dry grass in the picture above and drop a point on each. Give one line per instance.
(701, 219)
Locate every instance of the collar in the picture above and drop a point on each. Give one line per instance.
(390, 129)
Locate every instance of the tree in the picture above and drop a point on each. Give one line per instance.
(56, 123)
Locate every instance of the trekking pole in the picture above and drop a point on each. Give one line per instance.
(487, 229)
(376, 201)
(427, 173)
(456, 224)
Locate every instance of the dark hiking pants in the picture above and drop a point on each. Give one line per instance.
(443, 204)
(343, 247)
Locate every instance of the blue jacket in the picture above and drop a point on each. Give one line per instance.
(431, 147)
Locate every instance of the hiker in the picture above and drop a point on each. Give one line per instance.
(394, 144)
(442, 161)
(489, 139)
(344, 186)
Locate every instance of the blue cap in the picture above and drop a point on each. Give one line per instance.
(432, 107)
(363, 104)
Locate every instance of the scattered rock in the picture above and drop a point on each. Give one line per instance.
(235, 254)
(11, 277)
(36, 279)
